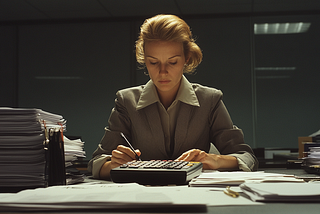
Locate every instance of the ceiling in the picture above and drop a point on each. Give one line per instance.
(52, 10)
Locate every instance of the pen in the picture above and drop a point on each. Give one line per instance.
(231, 193)
(124, 137)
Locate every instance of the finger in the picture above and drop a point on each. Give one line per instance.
(185, 155)
(119, 157)
(127, 151)
(191, 155)
(182, 156)
(116, 162)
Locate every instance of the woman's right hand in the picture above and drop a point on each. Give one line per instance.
(122, 155)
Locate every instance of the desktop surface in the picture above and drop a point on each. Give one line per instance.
(274, 208)
(286, 208)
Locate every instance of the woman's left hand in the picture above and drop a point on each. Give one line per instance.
(209, 161)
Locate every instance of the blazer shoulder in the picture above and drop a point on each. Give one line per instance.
(205, 92)
(131, 94)
(133, 89)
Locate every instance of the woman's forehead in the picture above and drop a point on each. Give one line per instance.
(161, 47)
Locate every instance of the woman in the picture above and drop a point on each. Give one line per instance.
(170, 118)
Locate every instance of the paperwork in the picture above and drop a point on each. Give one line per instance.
(313, 157)
(73, 149)
(116, 196)
(223, 179)
(22, 147)
(282, 192)
(261, 186)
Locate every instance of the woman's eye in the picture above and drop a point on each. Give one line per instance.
(172, 63)
(153, 63)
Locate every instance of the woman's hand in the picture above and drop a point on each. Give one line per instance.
(209, 161)
(120, 156)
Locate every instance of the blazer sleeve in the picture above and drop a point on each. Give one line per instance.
(229, 139)
(119, 121)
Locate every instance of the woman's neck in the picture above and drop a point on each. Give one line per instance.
(166, 99)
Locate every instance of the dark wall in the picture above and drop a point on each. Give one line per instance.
(8, 66)
(75, 69)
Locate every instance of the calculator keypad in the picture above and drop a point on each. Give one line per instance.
(158, 164)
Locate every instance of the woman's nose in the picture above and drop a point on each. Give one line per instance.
(163, 68)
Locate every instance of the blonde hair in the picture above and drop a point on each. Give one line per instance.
(169, 28)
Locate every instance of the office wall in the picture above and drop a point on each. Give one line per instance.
(287, 82)
(8, 66)
(75, 69)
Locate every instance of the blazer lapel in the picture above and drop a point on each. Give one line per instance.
(182, 127)
(154, 121)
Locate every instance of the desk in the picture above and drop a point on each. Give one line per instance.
(309, 208)
(271, 208)
(283, 208)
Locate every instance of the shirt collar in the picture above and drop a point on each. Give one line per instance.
(185, 94)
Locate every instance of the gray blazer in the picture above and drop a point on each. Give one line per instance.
(196, 127)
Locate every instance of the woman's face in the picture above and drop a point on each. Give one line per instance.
(165, 62)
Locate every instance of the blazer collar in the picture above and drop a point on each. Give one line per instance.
(148, 96)
(186, 94)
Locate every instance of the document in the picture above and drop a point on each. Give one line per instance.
(115, 196)
(73, 149)
(202, 195)
(216, 178)
(313, 157)
(282, 192)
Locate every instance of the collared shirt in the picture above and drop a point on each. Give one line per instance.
(168, 116)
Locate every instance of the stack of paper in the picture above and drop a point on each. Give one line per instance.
(218, 179)
(313, 157)
(22, 143)
(73, 150)
(282, 192)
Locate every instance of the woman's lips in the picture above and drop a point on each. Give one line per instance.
(164, 81)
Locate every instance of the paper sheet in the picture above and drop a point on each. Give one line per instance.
(105, 196)
(210, 179)
(288, 192)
